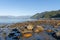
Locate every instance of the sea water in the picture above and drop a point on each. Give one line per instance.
(16, 20)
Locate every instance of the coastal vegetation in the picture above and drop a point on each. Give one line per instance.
(47, 14)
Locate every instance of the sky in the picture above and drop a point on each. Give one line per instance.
(27, 7)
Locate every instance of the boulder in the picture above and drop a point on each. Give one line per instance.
(58, 24)
(49, 30)
(30, 27)
(36, 30)
(40, 28)
(56, 35)
(27, 35)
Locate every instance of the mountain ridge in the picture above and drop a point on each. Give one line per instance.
(47, 14)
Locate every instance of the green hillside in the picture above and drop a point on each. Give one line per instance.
(47, 14)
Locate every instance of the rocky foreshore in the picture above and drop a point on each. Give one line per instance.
(32, 30)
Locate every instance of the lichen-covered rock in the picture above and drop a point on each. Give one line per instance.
(30, 27)
(40, 28)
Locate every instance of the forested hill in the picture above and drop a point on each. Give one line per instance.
(47, 14)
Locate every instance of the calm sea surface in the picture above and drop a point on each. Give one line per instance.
(14, 20)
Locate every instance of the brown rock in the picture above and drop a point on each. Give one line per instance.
(49, 30)
(27, 35)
